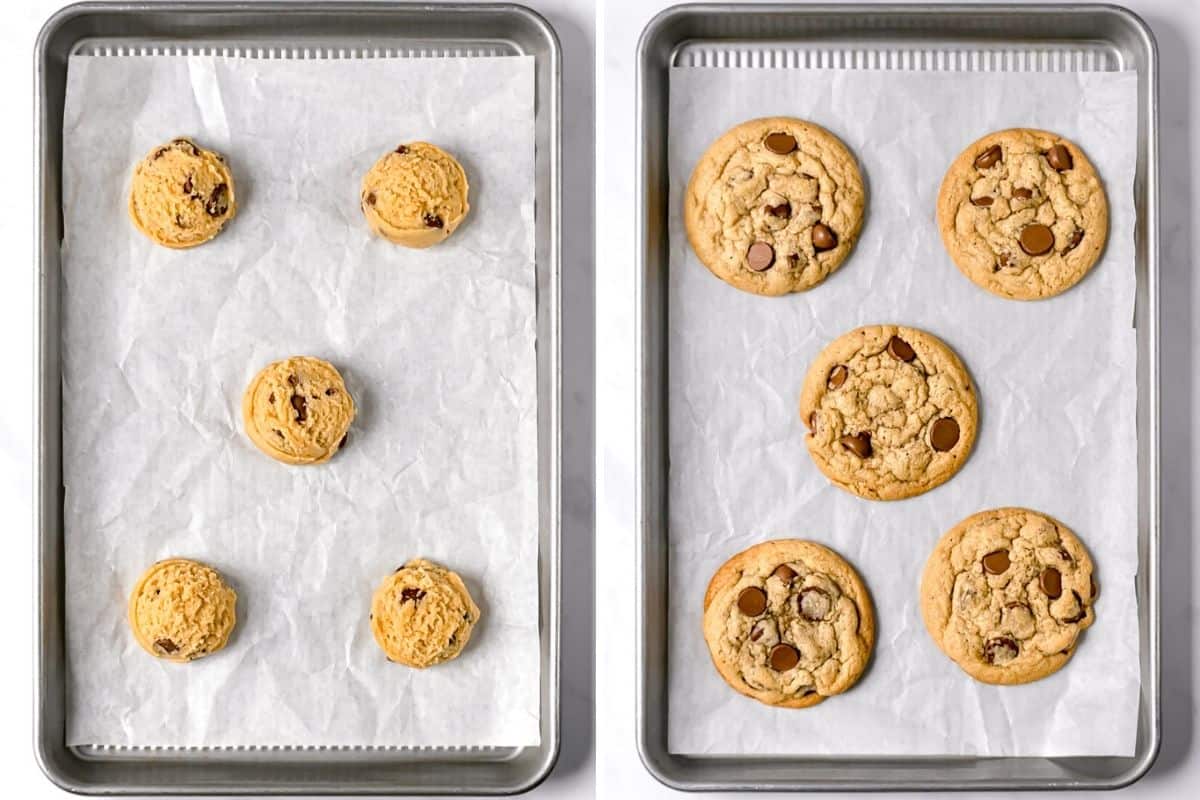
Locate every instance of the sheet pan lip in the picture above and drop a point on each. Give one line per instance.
(658, 762)
(47, 755)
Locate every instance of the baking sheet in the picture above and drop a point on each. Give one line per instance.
(1056, 381)
(436, 345)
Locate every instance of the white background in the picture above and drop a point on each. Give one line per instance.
(1177, 26)
(574, 21)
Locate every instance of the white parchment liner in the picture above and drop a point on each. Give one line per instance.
(1056, 381)
(437, 347)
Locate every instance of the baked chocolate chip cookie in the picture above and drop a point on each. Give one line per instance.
(789, 623)
(774, 205)
(1007, 594)
(182, 610)
(891, 412)
(298, 410)
(181, 194)
(1023, 213)
(415, 196)
(422, 614)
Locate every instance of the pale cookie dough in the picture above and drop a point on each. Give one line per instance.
(789, 623)
(774, 205)
(181, 194)
(1007, 593)
(1023, 213)
(891, 412)
(422, 614)
(298, 410)
(415, 195)
(182, 610)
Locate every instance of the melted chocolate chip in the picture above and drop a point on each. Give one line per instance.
(988, 157)
(166, 645)
(858, 443)
(330, 392)
(402, 149)
(433, 221)
(1000, 650)
(411, 594)
(996, 562)
(752, 601)
(784, 657)
(837, 377)
(1060, 157)
(823, 237)
(1081, 613)
(370, 198)
(900, 350)
(784, 573)
(187, 185)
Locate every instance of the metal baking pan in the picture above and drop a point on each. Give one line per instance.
(960, 37)
(289, 30)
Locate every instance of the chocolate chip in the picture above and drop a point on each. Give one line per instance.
(782, 210)
(271, 397)
(812, 421)
(1051, 582)
(780, 143)
(402, 149)
(342, 443)
(1036, 239)
(433, 221)
(760, 256)
(858, 443)
(814, 604)
(982, 202)
(784, 573)
(756, 632)
(752, 601)
(1060, 157)
(943, 434)
(370, 198)
(218, 201)
(900, 350)
(1074, 241)
(166, 645)
(301, 406)
(1005, 261)
(187, 185)
(783, 657)
(330, 392)
(837, 377)
(988, 157)
(184, 144)
(411, 594)
(1000, 650)
(996, 562)
(179, 222)
(823, 237)
(159, 153)
(1081, 613)
(1022, 193)
(1093, 586)
(292, 380)
(1062, 552)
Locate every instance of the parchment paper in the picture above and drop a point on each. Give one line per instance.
(1056, 381)
(437, 347)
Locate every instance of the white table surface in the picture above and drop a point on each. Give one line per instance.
(574, 21)
(1177, 772)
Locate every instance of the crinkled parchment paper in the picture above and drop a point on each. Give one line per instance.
(437, 347)
(1056, 381)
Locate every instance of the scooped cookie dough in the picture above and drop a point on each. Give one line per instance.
(789, 623)
(422, 614)
(774, 205)
(181, 610)
(298, 410)
(1023, 213)
(891, 412)
(1007, 594)
(182, 195)
(415, 196)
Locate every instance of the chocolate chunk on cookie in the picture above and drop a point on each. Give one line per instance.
(891, 412)
(774, 205)
(1023, 213)
(789, 623)
(1007, 593)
